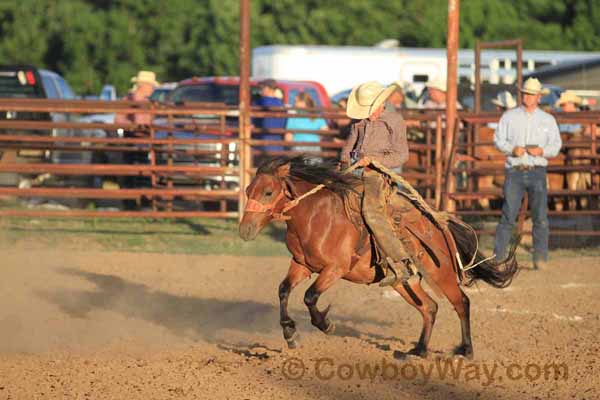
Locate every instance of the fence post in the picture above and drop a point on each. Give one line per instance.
(244, 105)
(452, 77)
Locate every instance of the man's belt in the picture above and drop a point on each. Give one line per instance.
(527, 167)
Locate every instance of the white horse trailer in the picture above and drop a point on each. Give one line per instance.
(341, 67)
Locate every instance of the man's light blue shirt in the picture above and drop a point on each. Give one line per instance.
(518, 127)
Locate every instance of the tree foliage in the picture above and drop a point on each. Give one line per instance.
(92, 42)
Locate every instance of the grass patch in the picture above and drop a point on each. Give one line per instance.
(194, 236)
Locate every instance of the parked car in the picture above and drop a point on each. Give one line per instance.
(162, 92)
(108, 93)
(226, 90)
(27, 81)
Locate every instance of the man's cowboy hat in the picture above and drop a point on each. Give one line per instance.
(439, 84)
(366, 98)
(568, 97)
(533, 86)
(505, 100)
(145, 77)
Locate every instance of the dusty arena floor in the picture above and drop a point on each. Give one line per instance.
(108, 325)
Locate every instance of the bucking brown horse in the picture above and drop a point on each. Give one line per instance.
(324, 240)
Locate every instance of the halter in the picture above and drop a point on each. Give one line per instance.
(258, 207)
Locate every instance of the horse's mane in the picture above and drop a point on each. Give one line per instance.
(312, 170)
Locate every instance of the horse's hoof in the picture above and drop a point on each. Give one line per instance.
(420, 352)
(330, 328)
(291, 341)
(464, 351)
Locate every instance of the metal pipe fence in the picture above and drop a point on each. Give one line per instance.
(190, 160)
(573, 177)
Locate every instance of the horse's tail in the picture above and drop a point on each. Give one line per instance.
(499, 274)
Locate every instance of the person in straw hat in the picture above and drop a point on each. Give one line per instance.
(380, 135)
(569, 102)
(528, 136)
(436, 90)
(144, 84)
(503, 101)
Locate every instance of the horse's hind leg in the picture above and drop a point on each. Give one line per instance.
(414, 294)
(461, 305)
(326, 279)
(296, 274)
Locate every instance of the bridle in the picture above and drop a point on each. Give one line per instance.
(258, 207)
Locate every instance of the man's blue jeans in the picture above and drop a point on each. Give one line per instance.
(518, 182)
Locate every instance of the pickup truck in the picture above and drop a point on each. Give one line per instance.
(27, 81)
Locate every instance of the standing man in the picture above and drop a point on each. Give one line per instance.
(378, 135)
(143, 85)
(528, 136)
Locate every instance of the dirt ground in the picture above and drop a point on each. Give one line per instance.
(98, 325)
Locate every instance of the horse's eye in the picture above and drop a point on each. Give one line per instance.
(268, 194)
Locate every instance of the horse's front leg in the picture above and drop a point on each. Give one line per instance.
(296, 274)
(325, 280)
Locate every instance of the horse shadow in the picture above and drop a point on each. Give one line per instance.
(189, 316)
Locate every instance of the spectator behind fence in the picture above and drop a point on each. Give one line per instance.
(143, 85)
(396, 100)
(269, 97)
(569, 102)
(437, 95)
(296, 124)
(504, 101)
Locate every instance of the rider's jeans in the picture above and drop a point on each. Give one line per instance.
(375, 214)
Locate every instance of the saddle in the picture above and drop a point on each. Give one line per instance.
(423, 236)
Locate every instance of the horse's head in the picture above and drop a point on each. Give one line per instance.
(266, 194)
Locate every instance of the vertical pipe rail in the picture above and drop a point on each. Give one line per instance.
(595, 174)
(477, 105)
(452, 76)
(428, 157)
(152, 155)
(438, 162)
(244, 105)
(170, 135)
(519, 68)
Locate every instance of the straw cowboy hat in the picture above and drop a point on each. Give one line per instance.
(439, 84)
(366, 98)
(505, 100)
(145, 77)
(533, 86)
(568, 97)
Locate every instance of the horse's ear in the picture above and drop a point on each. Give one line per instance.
(283, 171)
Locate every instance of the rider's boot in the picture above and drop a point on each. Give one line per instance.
(392, 276)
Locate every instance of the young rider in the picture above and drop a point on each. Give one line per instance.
(379, 135)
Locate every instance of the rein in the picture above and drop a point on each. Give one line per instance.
(255, 206)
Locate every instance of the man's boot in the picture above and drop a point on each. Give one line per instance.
(392, 276)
